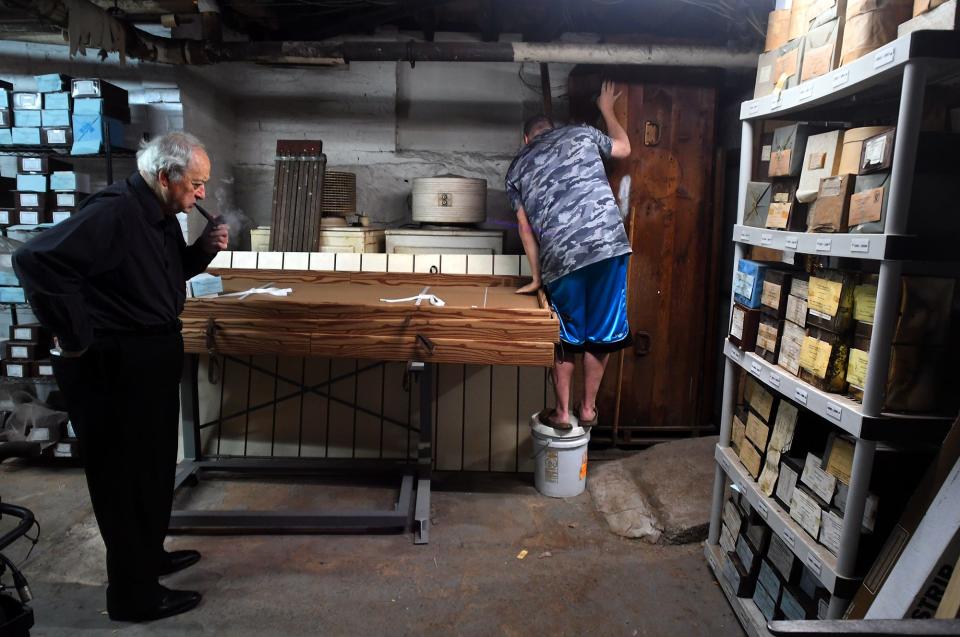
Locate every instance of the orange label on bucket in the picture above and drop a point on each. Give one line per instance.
(583, 467)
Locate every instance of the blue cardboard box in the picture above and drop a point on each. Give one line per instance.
(69, 181)
(59, 101)
(27, 136)
(12, 295)
(52, 82)
(748, 283)
(50, 117)
(6, 137)
(88, 132)
(26, 118)
(31, 183)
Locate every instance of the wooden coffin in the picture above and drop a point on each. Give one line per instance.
(341, 315)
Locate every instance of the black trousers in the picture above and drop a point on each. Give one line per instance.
(123, 398)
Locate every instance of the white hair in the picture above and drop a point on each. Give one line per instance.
(170, 153)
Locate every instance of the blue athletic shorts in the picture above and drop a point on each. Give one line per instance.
(591, 304)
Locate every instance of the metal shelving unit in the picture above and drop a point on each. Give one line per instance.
(917, 60)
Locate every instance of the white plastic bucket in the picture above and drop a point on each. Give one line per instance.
(561, 460)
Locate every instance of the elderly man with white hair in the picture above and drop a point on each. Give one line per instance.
(109, 284)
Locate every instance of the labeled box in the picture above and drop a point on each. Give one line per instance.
(789, 146)
(27, 101)
(821, 159)
(748, 283)
(785, 213)
(41, 164)
(768, 338)
(58, 101)
(31, 182)
(89, 136)
(25, 136)
(791, 347)
(821, 49)
(778, 29)
(52, 82)
(852, 148)
(33, 200)
(30, 332)
(823, 360)
(757, 204)
(868, 203)
(776, 289)
(58, 136)
(870, 24)
(27, 118)
(830, 300)
(20, 350)
(744, 324)
(69, 180)
(830, 212)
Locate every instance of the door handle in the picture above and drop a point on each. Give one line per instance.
(642, 343)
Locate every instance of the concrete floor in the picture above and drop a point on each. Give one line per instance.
(577, 578)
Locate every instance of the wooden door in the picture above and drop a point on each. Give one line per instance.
(657, 389)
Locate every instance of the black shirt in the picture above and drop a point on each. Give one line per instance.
(120, 263)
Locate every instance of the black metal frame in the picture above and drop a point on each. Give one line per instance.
(413, 501)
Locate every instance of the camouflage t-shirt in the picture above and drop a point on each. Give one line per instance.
(559, 180)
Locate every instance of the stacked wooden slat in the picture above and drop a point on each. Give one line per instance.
(297, 195)
(340, 315)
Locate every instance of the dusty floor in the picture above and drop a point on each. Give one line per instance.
(577, 578)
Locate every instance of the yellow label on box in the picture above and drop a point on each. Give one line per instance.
(824, 296)
(864, 303)
(780, 163)
(815, 356)
(767, 337)
(840, 462)
(857, 368)
(771, 295)
(738, 433)
(778, 214)
(750, 458)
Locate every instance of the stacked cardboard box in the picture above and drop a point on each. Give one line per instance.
(27, 353)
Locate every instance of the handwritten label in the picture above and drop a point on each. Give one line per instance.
(824, 245)
(883, 57)
(835, 411)
(735, 355)
(860, 245)
(766, 238)
(841, 77)
(791, 242)
(805, 92)
(762, 509)
(755, 368)
(774, 380)
(815, 564)
(800, 395)
(745, 236)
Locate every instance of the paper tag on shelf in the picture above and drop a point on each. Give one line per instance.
(805, 92)
(835, 411)
(791, 243)
(724, 464)
(800, 395)
(755, 368)
(735, 355)
(816, 566)
(841, 77)
(762, 509)
(883, 57)
(745, 236)
(774, 380)
(753, 108)
(790, 539)
(859, 244)
(824, 245)
(766, 238)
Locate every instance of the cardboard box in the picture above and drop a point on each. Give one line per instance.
(27, 101)
(21, 350)
(59, 136)
(769, 578)
(748, 283)
(756, 204)
(737, 576)
(764, 601)
(111, 100)
(749, 554)
(6, 118)
(791, 347)
(29, 332)
(41, 164)
(823, 360)
(830, 302)
(43, 369)
(830, 212)
(58, 101)
(739, 430)
(6, 137)
(9, 217)
(54, 118)
(821, 159)
(868, 203)
(88, 133)
(806, 510)
(760, 400)
(30, 182)
(61, 215)
(757, 431)
(821, 484)
(789, 146)
(52, 82)
(768, 338)
(785, 212)
(877, 152)
(821, 12)
(25, 136)
(69, 199)
(783, 561)
(870, 24)
(776, 289)
(33, 200)
(821, 50)
(943, 18)
(795, 605)
(799, 21)
(750, 458)
(17, 370)
(790, 469)
(778, 29)
(70, 180)
(744, 323)
(853, 147)
(727, 543)
(779, 69)
(27, 118)
(800, 286)
(32, 217)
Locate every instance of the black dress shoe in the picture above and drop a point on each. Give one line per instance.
(171, 603)
(173, 561)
